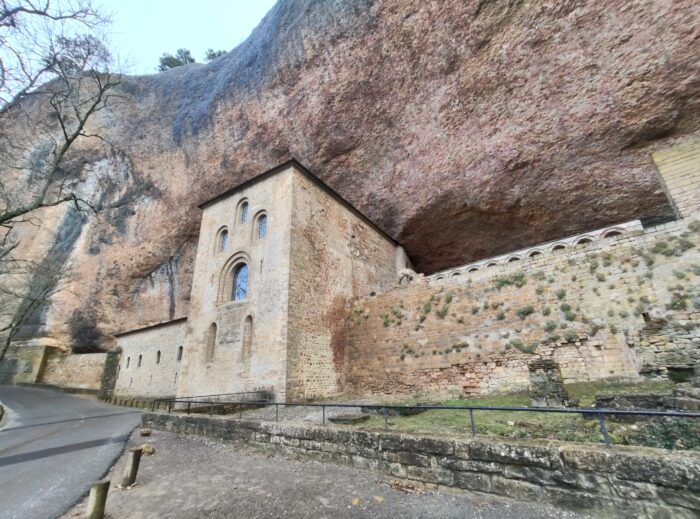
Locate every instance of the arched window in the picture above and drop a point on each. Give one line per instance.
(128, 361)
(610, 234)
(513, 258)
(535, 253)
(558, 247)
(179, 353)
(584, 241)
(158, 357)
(223, 240)
(139, 363)
(261, 227)
(243, 212)
(211, 342)
(240, 283)
(247, 338)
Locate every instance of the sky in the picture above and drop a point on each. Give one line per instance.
(142, 30)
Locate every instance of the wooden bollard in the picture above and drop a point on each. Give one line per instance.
(97, 500)
(132, 467)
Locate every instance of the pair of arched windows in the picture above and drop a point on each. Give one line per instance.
(247, 342)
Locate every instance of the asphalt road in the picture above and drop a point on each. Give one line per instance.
(53, 447)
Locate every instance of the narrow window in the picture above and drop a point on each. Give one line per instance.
(128, 361)
(179, 353)
(139, 363)
(211, 342)
(223, 240)
(247, 338)
(244, 212)
(262, 226)
(240, 283)
(158, 357)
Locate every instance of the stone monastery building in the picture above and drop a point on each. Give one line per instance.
(296, 293)
(278, 259)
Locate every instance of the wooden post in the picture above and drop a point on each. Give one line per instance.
(97, 500)
(132, 467)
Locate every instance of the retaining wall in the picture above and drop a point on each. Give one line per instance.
(630, 482)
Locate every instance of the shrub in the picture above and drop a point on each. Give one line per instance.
(561, 294)
(494, 306)
(539, 290)
(594, 265)
(678, 274)
(427, 307)
(679, 301)
(421, 318)
(501, 315)
(442, 312)
(516, 279)
(546, 311)
(571, 336)
(600, 277)
(525, 348)
(448, 298)
(552, 337)
(613, 328)
(624, 314)
(550, 326)
(525, 311)
(475, 310)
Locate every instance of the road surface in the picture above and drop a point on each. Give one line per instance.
(53, 447)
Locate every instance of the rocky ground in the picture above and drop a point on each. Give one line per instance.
(192, 478)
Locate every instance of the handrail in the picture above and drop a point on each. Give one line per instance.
(599, 413)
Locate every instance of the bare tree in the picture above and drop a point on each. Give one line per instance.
(54, 77)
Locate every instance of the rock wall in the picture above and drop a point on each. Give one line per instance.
(613, 308)
(463, 128)
(624, 482)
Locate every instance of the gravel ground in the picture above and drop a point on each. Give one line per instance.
(194, 478)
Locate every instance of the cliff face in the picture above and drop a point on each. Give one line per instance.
(463, 128)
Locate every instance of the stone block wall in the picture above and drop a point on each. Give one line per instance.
(336, 255)
(151, 378)
(626, 482)
(22, 364)
(613, 307)
(679, 172)
(73, 370)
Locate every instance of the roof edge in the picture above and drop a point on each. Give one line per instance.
(156, 325)
(315, 179)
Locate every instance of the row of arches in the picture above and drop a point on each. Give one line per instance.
(260, 226)
(139, 359)
(246, 346)
(534, 252)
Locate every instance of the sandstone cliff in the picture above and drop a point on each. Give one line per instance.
(463, 128)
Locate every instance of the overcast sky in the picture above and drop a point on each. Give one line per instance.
(143, 30)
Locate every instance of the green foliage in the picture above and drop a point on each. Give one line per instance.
(600, 277)
(525, 348)
(613, 328)
(546, 311)
(475, 310)
(676, 246)
(607, 259)
(421, 318)
(539, 276)
(501, 315)
(539, 290)
(678, 274)
(550, 326)
(524, 311)
(594, 265)
(679, 301)
(168, 61)
(694, 226)
(624, 314)
(570, 336)
(387, 320)
(212, 54)
(448, 298)
(427, 307)
(496, 306)
(516, 279)
(442, 312)
(561, 294)
(552, 337)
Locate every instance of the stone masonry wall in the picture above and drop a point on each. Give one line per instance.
(335, 256)
(611, 308)
(232, 369)
(151, 378)
(22, 363)
(679, 171)
(624, 481)
(73, 370)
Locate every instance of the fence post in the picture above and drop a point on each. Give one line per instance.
(97, 500)
(211, 409)
(323, 414)
(386, 419)
(132, 467)
(471, 422)
(189, 404)
(277, 412)
(604, 429)
(170, 405)
(153, 406)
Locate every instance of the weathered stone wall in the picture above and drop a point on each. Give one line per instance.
(609, 308)
(335, 255)
(73, 370)
(22, 364)
(629, 482)
(264, 366)
(151, 378)
(678, 169)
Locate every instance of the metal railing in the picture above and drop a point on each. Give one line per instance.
(596, 413)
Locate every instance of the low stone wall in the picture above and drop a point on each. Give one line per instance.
(22, 364)
(82, 371)
(632, 482)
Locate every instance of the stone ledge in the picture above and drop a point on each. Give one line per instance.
(634, 482)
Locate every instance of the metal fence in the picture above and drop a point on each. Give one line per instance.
(590, 413)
